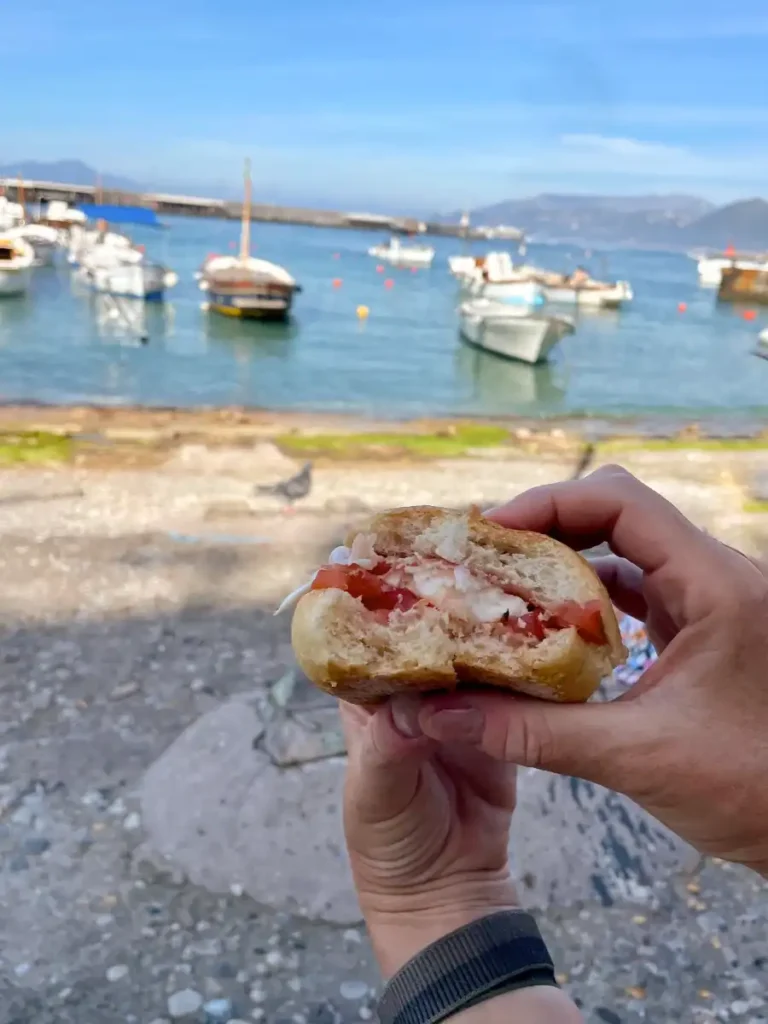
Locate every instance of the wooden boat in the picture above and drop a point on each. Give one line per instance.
(17, 258)
(244, 286)
(738, 284)
(512, 332)
(710, 266)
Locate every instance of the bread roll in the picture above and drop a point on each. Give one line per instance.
(432, 599)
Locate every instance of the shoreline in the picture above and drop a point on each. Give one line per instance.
(230, 423)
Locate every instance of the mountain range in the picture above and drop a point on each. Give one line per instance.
(666, 221)
(68, 172)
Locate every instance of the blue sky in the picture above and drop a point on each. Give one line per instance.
(414, 104)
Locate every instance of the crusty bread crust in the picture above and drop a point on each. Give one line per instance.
(345, 651)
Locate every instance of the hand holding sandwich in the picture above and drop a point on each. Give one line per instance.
(688, 742)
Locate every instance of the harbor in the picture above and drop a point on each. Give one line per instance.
(374, 337)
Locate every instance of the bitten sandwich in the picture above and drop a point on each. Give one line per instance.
(431, 599)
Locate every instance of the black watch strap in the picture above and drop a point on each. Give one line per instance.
(490, 956)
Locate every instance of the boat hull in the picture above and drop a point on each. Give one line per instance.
(739, 285)
(525, 293)
(251, 306)
(14, 282)
(527, 339)
(403, 257)
(146, 281)
(591, 298)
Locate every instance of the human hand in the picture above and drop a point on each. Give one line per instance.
(427, 828)
(689, 742)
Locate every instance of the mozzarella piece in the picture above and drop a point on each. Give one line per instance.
(363, 553)
(457, 590)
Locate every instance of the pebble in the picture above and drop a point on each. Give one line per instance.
(236, 889)
(18, 862)
(184, 1003)
(274, 958)
(132, 822)
(117, 972)
(365, 1013)
(36, 845)
(218, 1010)
(21, 969)
(352, 936)
(118, 807)
(257, 994)
(353, 990)
(124, 690)
(295, 985)
(258, 1014)
(159, 1020)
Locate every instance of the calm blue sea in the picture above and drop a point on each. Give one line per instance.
(57, 345)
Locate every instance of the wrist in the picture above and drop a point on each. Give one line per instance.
(401, 924)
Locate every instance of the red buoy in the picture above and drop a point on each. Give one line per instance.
(389, 283)
(682, 307)
(379, 269)
(750, 314)
(337, 282)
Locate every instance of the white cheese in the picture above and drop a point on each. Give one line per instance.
(294, 597)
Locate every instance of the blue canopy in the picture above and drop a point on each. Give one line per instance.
(121, 214)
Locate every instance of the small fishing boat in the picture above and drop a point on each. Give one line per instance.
(710, 266)
(402, 255)
(17, 258)
(590, 294)
(125, 272)
(43, 239)
(495, 277)
(244, 286)
(512, 332)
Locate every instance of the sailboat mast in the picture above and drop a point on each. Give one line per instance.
(245, 231)
(21, 198)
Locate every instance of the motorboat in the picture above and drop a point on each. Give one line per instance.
(512, 332)
(82, 240)
(762, 344)
(589, 294)
(495, 277)
(402, 254)
(11, 214)
(243, 286)
(17, 258)
(43, 239)
(59, 214)
(125, 272)
(710, 266)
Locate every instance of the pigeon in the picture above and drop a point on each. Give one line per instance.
(585, 461)
(293, 489)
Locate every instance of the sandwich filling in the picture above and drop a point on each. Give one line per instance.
(469, 597)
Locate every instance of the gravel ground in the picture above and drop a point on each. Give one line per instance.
(135, 605)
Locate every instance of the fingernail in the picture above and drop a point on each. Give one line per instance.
(405, 715)
(462, 725)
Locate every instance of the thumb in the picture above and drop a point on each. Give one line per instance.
(385, 759)
(598, 742)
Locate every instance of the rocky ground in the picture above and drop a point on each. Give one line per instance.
(169, 839)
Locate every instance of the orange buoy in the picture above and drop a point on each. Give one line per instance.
(363, 312)
(389, 283)
(750, 314)
(682, 307)
(337, 282)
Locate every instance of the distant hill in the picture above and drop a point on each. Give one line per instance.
(631, 220)
(743, 224)
(68, 172)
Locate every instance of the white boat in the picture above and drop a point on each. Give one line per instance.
(43, 239)
(591, 294)
(243, 286)
(514, 333)
(11, 214)
(60, 215)
(462, 266)
(497, 278)
(762, 344)
(401, 255)
(16, 260)
(82, 241)
(711, 267)
(125, 272)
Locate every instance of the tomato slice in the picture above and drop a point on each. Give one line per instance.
(529, 624)
(587, 618)
(375, 594)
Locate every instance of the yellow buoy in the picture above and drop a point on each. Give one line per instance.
(363, 312)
